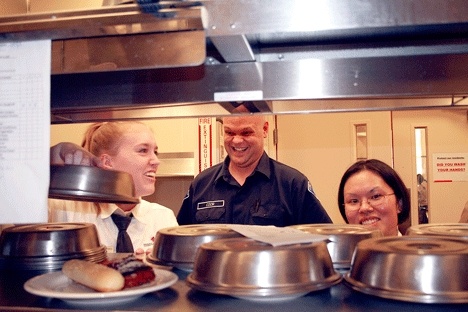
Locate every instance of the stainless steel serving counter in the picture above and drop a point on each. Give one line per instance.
(180, 297)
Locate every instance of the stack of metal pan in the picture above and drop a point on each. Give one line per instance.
(459, 230)
(94, 184)
(414, 268)
(247, 269)
(342, 240)
(177, 246)
(46, 246)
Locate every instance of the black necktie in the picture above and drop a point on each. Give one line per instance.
(124, 243)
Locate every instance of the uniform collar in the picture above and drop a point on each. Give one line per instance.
(106, 209)
(263, 167)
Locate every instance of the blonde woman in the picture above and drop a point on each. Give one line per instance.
(127, 146)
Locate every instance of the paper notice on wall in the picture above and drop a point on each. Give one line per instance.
(450, 167)
(24, 130)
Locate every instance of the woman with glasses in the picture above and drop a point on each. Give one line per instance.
(371, 193)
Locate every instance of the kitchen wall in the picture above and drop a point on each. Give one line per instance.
(14, 7)
(322, 147)
(447, 132)
(172, 135)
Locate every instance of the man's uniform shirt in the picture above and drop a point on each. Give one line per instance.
(274, 194)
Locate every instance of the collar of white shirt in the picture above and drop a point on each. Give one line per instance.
(107, 209)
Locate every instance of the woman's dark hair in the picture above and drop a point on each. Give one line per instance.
(388, 174)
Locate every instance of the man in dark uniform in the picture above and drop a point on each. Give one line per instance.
(249, 187)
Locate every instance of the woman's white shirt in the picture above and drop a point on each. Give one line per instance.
(148, 218)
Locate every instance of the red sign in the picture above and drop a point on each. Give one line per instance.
(205, 134)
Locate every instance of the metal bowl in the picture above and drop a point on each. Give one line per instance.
(427, 269)
(252, 270)
(342, 239)
(47, 246)
(89, 183)
(440, 229)
(177, 246)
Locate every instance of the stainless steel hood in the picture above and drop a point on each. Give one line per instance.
(280, 56)
(90, 37)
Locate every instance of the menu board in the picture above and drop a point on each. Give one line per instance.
(24, 130)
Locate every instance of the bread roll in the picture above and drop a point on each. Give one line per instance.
(93, 275)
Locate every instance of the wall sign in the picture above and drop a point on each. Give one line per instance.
(450, 167)
(205, 148)
(24, 130)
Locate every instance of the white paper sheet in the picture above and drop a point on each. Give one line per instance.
(277, 236)
(24, 130)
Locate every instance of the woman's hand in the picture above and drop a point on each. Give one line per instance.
(67, 153)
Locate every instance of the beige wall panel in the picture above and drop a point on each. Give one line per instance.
(67, 133)
(172, 135)
(36, 6)
(175, 135)
(322, 147)
(13, 7)
(447, 132)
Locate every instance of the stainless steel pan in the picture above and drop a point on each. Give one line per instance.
(93, 184)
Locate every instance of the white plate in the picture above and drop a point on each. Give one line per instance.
(58, 285)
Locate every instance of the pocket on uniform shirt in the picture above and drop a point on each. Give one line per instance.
(211, 215)
(268, 215)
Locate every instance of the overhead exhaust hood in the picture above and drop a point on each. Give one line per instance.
(98, 36)
(282, 56)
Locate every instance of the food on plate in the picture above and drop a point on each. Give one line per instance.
(94, 275)
(109, 275)
(134, 270)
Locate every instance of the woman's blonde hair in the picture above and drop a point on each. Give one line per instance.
(105, 137)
